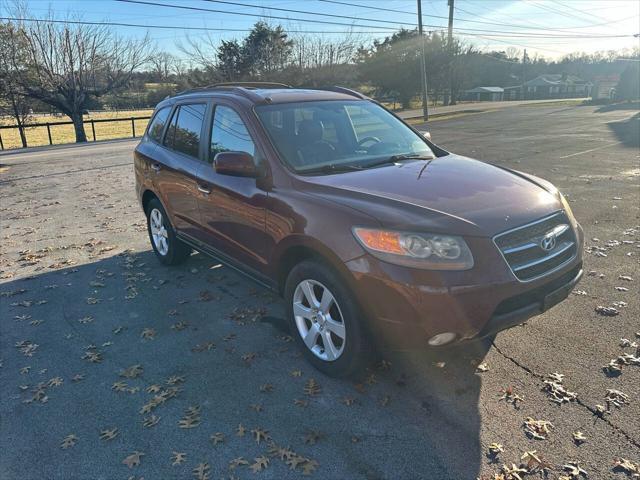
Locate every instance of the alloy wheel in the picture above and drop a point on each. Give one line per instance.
(159, 232)
(319, 320)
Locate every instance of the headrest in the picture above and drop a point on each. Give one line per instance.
(310, 130)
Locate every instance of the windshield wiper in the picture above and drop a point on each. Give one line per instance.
(332, 168)
(398, 158)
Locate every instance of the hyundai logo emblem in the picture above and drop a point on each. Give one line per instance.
(548, 242)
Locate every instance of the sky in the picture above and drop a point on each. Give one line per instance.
(543, 27)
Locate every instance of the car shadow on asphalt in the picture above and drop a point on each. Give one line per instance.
(415, 415)
(627, 131)
(618, 106)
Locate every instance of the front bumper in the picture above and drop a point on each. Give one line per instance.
(408, 306)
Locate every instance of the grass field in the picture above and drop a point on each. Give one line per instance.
(37, 136)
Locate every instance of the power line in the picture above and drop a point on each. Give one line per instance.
(244, 30)
(484, 32)
(536, 26)
(381, 9)
(305, 12)
(521, 45)
(200, 9)
(483, 22)
(559, 12)
(166, 27)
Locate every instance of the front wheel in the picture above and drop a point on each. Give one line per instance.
(168, 249)
(325, 320)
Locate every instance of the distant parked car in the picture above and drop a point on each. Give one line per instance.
(368, 229)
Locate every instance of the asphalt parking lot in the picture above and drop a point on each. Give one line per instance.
(114, 367)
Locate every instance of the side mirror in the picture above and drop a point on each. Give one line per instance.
(236, 164)
(427, 135)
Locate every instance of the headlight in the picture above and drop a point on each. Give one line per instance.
(567, 209)
(418, 250)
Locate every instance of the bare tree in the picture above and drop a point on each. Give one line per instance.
(162, 64)
(13, 102)
(69, 65)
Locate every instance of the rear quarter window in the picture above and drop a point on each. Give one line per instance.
(156, 127)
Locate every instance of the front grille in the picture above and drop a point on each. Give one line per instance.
(523, 249)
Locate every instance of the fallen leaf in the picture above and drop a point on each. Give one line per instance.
(201, 472)
(133, 460)
(579, 438)
(537, 429)
(133, 371)
(483, 367)
(217, 438)
(260, 463)
(574, 470)
(177, 458)
(260, 434)
(69, 441)
(626, 466)
(312, 388)
(109, 434)
(237, 462)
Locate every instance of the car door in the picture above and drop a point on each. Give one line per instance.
(232, 209)
(178, 163)
(144, 153)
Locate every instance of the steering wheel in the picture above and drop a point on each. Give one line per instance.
(369, 139)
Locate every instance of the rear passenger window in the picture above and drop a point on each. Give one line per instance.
(229, 133)
(157, 124)
(184, 132)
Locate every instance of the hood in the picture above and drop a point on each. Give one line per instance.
(450, 194)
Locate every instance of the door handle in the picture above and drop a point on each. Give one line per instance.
(204, 190)
(156, 167)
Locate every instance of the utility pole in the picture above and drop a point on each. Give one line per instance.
(452, 100)
(524, 62)
(423, 65)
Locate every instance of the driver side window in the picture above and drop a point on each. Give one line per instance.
(229, 133)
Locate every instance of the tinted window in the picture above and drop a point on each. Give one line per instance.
(157, 125)
(183, 134)
(229, 133)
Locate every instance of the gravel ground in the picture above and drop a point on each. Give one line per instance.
(127, 363)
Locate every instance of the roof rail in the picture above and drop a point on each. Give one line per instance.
(243, 88)
(251, 85)
(346, 91)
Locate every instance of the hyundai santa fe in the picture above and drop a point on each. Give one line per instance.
(373, 234)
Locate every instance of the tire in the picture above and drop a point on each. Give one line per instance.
(340, 356)
(168, 249)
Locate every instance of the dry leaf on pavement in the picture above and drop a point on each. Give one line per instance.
(69, 441)
(579, 438)
(109, 434)
(201, 472)
(177, 458)
(217, 438)
(260, 463)
(538, 429)
(133, 460)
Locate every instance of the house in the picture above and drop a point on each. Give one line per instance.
(604, 87)
(512, 93)
(557, 85)
(482, 94)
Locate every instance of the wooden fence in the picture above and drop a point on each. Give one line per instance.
(92, 122)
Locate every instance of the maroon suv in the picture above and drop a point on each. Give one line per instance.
(368, 229)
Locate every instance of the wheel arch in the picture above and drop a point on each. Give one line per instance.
(147, 196)
(300, 249)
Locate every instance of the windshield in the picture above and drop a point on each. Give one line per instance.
(332, 136)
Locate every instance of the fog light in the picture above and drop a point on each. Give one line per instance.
(442, 339)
